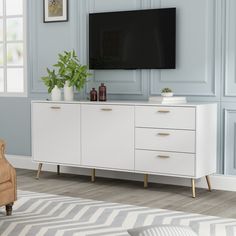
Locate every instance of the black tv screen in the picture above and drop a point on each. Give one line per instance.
(143, 39)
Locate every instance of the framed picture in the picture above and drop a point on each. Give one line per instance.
(55, 10)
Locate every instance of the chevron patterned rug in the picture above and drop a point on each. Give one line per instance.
(37, 214)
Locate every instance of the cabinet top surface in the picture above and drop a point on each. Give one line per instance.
(127, 103)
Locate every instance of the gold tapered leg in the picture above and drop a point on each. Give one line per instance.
(193, 188)
(145, 180)
(58, 169)
(208, 183)
(39, 170)
(93, 175)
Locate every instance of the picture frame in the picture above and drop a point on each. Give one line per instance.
(55, 11)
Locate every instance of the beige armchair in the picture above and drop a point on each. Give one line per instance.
(7, 182)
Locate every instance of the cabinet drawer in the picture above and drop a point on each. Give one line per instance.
(165, 117)
(165, 140)
(165, 162)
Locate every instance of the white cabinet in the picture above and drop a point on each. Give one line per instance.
(56, 133)
(186, 135)
(124, 136)
(108, 136)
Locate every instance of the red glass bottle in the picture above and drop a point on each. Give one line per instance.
(102, 93)
(93, 95)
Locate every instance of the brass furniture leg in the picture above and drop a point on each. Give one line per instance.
(145, 180)
(93, 175)
(208, 182)
(39, 170)
(58, 169)
(193, 188)
(9, 209)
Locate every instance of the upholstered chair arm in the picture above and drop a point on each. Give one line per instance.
(2, 155)
(2, 148)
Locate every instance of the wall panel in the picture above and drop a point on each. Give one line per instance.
(49, 40)
(195, 49)
(230, 139)
(118, 82)
(15, 125)
(230, 49)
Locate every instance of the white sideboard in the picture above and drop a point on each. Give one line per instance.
(140, 137)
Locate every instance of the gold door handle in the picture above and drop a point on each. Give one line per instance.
(106, 109)
(163, 134)
(55, 108)
(164, 111)
(163, 156)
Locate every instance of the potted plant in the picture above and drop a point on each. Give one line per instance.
(166, 92)
(54, 84)
(72, 73)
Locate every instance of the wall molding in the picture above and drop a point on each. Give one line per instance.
(207, 83)
(219, 182)
(34, 51)
(134, 84)
(36, 18)
(229, 141)
(129, 79)
(230, 49)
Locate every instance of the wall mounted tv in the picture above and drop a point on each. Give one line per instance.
(142, 39)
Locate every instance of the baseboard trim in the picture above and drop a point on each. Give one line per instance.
(219, 182)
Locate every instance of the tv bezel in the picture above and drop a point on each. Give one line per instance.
(133, 68)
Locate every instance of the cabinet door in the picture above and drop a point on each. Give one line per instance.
(108, 136)
(56, 133)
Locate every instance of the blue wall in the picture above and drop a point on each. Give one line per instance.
(206, 59)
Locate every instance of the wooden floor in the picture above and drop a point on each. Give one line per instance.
(217, 203)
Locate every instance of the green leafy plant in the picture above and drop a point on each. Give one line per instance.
(52, 80)
(70, 69)
(166, 90)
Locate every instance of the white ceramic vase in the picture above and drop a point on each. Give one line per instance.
(167, 94)
(68, 92)
(56, 94)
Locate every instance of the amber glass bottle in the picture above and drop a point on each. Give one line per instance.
(102, 93)
(93, 95)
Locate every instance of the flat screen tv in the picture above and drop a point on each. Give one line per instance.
(143, 39)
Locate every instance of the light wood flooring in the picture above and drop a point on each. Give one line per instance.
(217, 203)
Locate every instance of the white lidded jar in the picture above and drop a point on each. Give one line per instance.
(56, 94)
(68, 92)
(169, 94)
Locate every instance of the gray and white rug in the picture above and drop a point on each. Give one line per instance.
(37, 214)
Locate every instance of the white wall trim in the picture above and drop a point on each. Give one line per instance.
(219, 182)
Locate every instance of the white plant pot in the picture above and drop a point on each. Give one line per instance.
(167, 94)
(68, 92)
(56, 94)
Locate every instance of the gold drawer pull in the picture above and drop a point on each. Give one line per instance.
(164, 111)
(106, 109)
(55, 108)
(163, 156)
(163, 134)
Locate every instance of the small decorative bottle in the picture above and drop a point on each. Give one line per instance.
(102, 93)
(93, 95)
